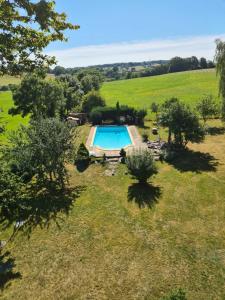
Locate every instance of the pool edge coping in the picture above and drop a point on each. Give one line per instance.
(98, 151)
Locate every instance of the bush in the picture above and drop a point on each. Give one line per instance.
(167, 154)
(96, 116)
(104, 159)
(144, 137)
(82, 154)
(131, 115)
(92, 100)
(141, 165)
(4, 88)
(123, 155)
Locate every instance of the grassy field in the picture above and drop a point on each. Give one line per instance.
(119, 240)
(141, 92)
(115, 239)
(10, 122)
(5, 80)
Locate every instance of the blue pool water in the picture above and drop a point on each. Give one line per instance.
(112, 137)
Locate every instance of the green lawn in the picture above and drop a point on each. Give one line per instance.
(10, 122)
(123, 241)
(118, 240)
(141, 92)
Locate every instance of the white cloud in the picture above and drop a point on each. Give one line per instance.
(137, 51)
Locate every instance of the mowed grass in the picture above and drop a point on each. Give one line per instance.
(120, 240)
(141, 92)
(124, 241)
(10, 122)
(6, 79)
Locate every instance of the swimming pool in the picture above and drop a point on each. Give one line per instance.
(112, 137)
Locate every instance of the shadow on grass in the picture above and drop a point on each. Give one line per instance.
(216, 130)
(82, 166)
(143, 127)
(144, 195)
(7, 264)
(40, 206)
(194, 161)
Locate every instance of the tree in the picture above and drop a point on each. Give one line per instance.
(72, 91)
(181, 122)
(11, 192)
(38, 97)
(82, 154)
(140, 115)
(92, 100)
(155, 109)
(177, 64)
(141, 165)
(41, 150)
(207, 107)
(220, 70)
(26, 28)
(90, 82)
(203, 63)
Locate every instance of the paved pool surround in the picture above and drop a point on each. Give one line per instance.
(136, 142)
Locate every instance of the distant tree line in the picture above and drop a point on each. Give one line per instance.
(130, 70)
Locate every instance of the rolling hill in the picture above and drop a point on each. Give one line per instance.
(141, 92)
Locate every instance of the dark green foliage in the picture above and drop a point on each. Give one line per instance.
(140, 116)
(176, 295)
(72, 91)
(203, 63)
(178, 64)
(123, 155)
(92, 100)
(104, 159)
(131, 115)
(41, 150)
(131, 70)
(82, 154)
(141, 165)
(220, 69)
(154, 107)
(26, 28)
(207, 107)
(38, 97)
(96, 116)
(144, 137)
(181, 122)
(4, 88)
(10, 194)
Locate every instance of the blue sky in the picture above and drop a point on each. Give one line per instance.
(130, 30)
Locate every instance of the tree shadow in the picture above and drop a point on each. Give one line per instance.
(40, 207)
(216, 130)
(142, 126)
(144, 195)
(82, 166)
(194, 161)
(7, 264)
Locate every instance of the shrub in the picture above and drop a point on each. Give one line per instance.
(144, 137)
(123, 155)
(82, 154)
(92, 100)
(141, 165)
(4, 88)
(167, 154)
(104, 159)
(96, 116)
